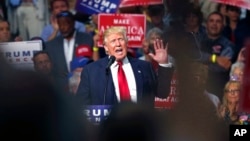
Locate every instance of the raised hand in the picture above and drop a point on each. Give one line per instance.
(161, 52)
(242, 55)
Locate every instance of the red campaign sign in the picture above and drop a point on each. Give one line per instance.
(128, 3)
(168, 102)
(240, 3)
(134, 23)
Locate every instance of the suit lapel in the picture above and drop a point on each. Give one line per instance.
(75, 46)
(110, 95)
(138, 77)
(61, 54)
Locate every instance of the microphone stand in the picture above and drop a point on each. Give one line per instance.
(107, 80)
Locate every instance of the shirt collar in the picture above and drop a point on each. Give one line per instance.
(124, 61)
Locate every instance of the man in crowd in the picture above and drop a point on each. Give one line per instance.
(65, 47)
(50, 31)
(42, 63)
(217, 52)
(127, 79)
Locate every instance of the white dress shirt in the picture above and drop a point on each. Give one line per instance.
(129, 76)
(68, 50)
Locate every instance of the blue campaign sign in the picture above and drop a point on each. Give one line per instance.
(97, 113)
(97, 6)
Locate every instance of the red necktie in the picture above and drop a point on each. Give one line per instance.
(123, 84)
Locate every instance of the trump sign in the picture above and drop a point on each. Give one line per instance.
(97, 6)
(134, 23)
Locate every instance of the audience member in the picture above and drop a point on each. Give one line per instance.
(217, 53)
(233, 29)
(222, 8)
(68, 45)
(42, 63)
(103, 85)
(76, 67)
(228, 110)
(156, 14)
(5, 35)
(31, 16)
(52, 30)
(193, 19)
(237, 71)
(148, 45)
(233, 16)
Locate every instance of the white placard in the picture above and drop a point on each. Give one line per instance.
(20, 54)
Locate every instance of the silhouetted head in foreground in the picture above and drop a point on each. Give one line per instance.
(31, 109)
(130, 122)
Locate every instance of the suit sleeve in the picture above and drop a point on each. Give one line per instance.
(164, 77)
(83, 92)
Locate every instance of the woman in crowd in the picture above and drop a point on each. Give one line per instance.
(228, 110)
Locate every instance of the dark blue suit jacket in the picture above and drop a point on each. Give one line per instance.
(56, 52)
(94, 81)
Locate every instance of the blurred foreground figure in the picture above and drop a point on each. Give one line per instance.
(30, 109)
(193, 117)
(131, 122)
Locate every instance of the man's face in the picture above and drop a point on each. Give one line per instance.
(116, 45)
(42, 64)
(4, 32)
(233, 15)
(66, 26)
(214, 25)
(192, 20)
(59, 6)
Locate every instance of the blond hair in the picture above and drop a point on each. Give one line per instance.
(113, 30)
(223, 108)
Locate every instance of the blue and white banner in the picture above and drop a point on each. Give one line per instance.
(97, 6)
(20, 54)
(97, 113)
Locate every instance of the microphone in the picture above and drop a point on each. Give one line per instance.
(111, 61)
(83, 50)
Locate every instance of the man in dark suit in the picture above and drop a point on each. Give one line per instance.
(63, 48)
(102, 85)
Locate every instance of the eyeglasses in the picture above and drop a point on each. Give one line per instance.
(232, 91)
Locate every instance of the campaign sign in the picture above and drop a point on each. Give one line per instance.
(168, 102)
(97, 113)
(240, 3)
(20, 54)
(128, 3)
(97, 6)
(134, 23)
